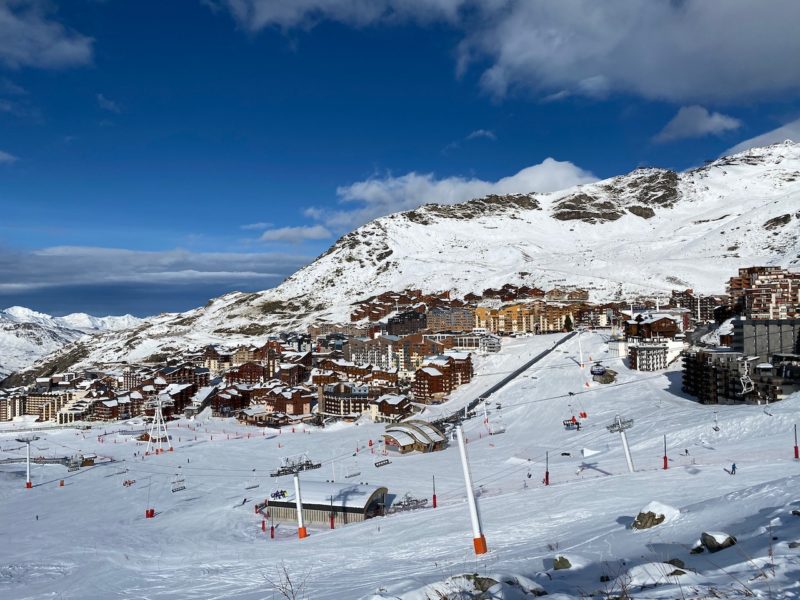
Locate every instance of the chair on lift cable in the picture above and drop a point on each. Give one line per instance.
(252, 483)
(178, 484)
(352, 470)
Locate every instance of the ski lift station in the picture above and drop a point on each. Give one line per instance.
(348, 502)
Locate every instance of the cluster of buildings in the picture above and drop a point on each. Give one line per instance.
(406, 348)
(652, 338)
(292, 378)
(399, 349)
(510, 309)
(754, 357)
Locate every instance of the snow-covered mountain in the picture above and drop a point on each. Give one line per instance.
(27, 335)
(648, 232)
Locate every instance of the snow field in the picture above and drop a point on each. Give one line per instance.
(92, 540)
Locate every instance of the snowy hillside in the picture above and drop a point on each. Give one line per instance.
(650, 232)
(91, 539)
(27, 335)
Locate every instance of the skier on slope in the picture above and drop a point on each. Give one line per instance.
(733, 469)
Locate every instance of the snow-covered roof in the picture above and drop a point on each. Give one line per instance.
(430, 431)
(438, 361)
(387, 370)
(176, 388)
(321, 493)
(431, 371)
(393, 399)
(420, 431)
(203, 393)
(402, 437)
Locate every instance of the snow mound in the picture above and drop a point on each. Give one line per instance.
(670, 513)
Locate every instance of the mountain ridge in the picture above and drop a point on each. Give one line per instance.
(644, 233)
(27, 335)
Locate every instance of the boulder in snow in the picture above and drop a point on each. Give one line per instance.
(561, 562)
(654, 514)
(714, 541)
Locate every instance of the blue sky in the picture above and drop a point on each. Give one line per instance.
(153, 155)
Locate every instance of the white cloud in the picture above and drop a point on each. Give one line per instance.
(255, 226)
(674, 51)
(295, 235)
(378, 196)
(28, 38)
(6, 158)
(789, 131)
(679, 50)
(696, 121)
(90, 266)
(482, 134)
(107, 104)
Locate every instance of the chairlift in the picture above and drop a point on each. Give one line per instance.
(352, 470)
(496, 425)
(178, 483)
(253, 482)
(747, 384)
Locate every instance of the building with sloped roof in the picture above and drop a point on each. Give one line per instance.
(348, 502)
(414, 436)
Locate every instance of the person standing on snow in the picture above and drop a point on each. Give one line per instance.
(733, 469)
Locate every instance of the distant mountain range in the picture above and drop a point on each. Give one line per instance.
(27, 335)
(648, 232)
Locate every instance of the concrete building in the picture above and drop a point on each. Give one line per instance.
(648, 356)
(457, 319)
(766, 337)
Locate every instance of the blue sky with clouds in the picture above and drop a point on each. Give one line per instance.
(153, 155)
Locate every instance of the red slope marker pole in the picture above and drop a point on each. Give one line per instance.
(434, 491)
(796, 449)
(666, 463)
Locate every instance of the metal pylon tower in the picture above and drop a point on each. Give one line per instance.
(158, 437)
(619, 426)
(27, 441)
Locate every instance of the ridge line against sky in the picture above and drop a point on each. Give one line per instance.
(142, 171)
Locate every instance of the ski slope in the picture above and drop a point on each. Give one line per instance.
(92, 541)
